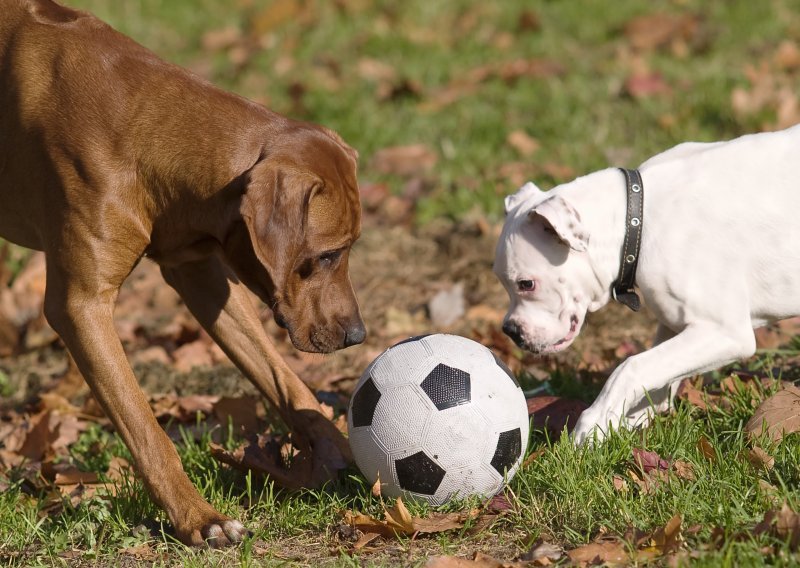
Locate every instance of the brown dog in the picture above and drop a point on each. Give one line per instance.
(107, 155)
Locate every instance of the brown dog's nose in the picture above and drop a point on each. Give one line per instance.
(354, 334)
(512, 330)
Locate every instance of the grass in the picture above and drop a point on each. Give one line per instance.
(566, 495)
(583, 121)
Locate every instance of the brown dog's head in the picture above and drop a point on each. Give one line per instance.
(302, 214)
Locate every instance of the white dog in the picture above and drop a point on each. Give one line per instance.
(719, 256)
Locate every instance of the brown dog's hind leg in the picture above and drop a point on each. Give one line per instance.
(79, 305)
(223, 307)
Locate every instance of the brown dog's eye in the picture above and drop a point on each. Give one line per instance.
(525, 285)
(327, 259)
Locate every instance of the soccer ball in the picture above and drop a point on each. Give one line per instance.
(438, 417)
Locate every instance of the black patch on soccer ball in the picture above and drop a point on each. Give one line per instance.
(509, 447)
(503, 366)
(419, 473)
(364, 402)
(447, 387)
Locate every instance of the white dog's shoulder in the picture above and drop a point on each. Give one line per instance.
(680, 152)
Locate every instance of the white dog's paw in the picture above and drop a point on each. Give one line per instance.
(593, 427)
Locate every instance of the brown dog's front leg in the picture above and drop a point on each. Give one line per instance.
(82, 315)
(223, 307)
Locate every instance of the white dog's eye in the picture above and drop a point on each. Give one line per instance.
(525, 285)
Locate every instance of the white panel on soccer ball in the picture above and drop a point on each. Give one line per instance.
(457, 436)
(370, 455)
(401, 417)
(459, 352)
(406, 363)
(474, 479)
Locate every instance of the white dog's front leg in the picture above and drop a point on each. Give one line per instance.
(698, 348)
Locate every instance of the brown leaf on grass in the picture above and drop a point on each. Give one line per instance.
(273, 15)
(376, 487)
(770, 89)
(559, 172)
(223, 38)
(291, 466)
(649, 461)
(644, 85)
(706, 449)
(759, 458)
(683, 470)
(523, 143)
(543, 553)
(660, 30)
(39, 437)
(610, 551)
(191, 355)
(783, 524)
(668, 538)
(262, 455)
(244, 413)
(692, 392)
(364, 540)
(499, 504)
(404, 161)
(182, 408)
(478, 560)
(508, 71)
(620, 485)
(398, 521)
(787, 56)
(142, 552)
(553, 413)
(777, 416)
(649, 483)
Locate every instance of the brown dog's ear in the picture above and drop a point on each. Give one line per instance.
(563, 220)
(349, 150)
(274, 208)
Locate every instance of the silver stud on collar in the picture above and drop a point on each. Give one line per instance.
(636, 188)
(630, 258)
(635, 221)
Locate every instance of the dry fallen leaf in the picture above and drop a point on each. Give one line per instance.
(243, 413)
(543, 553)
(604, 552)
(620, 484)
(684, 470)
(640, 86)
(783, 524)
(706, 449)
(668, 538)
(143, 552)
(376, 487)
(523, 143)
(661, 30)
(405, 161)
(760, 459)
(398, 521)
(777, 416)
(649, 461)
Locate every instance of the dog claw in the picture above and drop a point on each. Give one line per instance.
(219, 533)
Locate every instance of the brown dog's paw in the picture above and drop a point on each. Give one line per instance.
(224, 533)
(218, 532)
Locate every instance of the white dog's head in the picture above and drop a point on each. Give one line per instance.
(541, 260)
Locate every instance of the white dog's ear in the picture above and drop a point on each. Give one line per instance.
(523, 194)
(564, 221)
